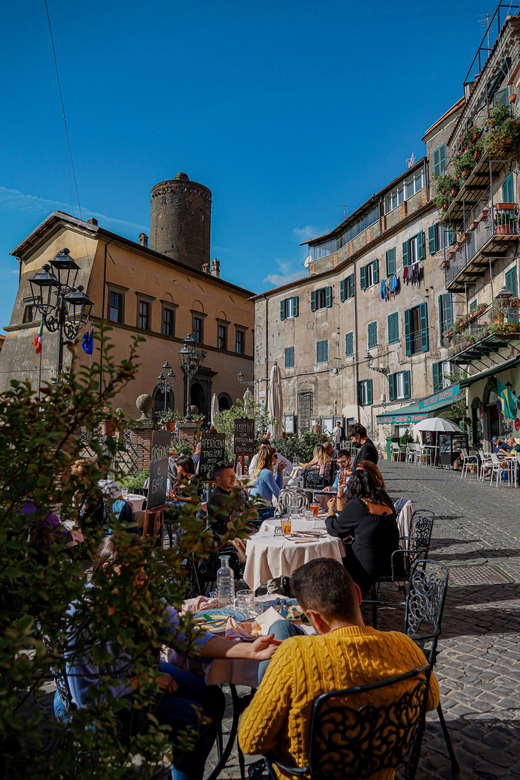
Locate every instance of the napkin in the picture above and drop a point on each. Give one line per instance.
(243, 630)
(198, 603)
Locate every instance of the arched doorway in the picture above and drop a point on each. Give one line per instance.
(224, 402)
(492, 422)
(477, 433)
(158, 402)
(198, 398)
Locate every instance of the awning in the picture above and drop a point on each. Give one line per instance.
(490, 371)
(444, 397)
(404, 416)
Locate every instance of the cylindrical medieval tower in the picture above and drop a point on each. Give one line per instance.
(181, 220)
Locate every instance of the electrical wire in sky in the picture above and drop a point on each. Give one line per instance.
(69, 158)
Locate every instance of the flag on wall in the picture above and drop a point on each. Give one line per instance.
(88, 342)
(507, 400)
(38, 340)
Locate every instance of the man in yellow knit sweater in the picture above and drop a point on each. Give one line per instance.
(344, 653)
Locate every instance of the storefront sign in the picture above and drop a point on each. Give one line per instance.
(158, 468)
(400, 419)
(212, 450)
(443, 395)
(244, 440)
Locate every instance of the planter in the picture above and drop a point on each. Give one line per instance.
(505, 206)
(445, 205)
(483, 214)
(463, 238)
(465, 172)
(473, 226)
(504, 230)
(445, 264)
(476, 155)
(108, 428)
(451, 255)
(170, 425)
(474, 135)
(454, 191)
(512, 97)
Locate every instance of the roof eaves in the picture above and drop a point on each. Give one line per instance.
(456, 107)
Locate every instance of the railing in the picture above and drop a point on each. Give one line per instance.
(504, 222)
(489, 321)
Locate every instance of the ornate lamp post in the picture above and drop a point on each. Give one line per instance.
(243, 381)
(190, 359)
(70, 311)
(165, 381)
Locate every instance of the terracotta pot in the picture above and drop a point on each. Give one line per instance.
(445, 205)
(465, 172)
(445, 264)
(506, 206)
(108, 428)
(504, 230)
(483, 214)
(451, 255)
(512, 97)
(474, 136)
(453, 192)
(476, 155)
(170, 425)
(463, 238)
(473, 226)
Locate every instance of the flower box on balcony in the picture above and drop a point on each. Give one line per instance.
(456, 247)
(505, 206)
(483, 214)
(464, 237)
(473, 225)
(504, 229)
(454, 192)
(451, 255)
(445, 264)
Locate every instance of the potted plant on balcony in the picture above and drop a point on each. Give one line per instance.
(505, 223)
(503, 328)
(473, 225)
(444, 264)
(169, 418)
(464, 237)
(503, 138)
(110, 418)
(483, 214)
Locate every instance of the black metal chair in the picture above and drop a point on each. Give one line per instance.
(359, 740)
(427, 589)
(412, 547)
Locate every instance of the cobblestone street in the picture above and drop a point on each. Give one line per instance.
(478, 666)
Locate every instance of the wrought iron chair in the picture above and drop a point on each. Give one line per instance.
(284, 497)
(359, 740)
(412, 547)
(427, 588)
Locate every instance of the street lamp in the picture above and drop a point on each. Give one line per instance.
(380, 369)
(243, 381)
(190, 359)
(71, 310)
(165, 381)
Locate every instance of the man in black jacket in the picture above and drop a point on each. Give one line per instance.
(367, 451)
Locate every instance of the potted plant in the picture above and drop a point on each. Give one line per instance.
(464, 237)
(169, 418)
(473, 225)
(505, 223)
(444, 264)
(483, 214)
(503, 137)
(110, 418)
(506, 206)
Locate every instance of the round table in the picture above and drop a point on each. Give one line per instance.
(136, 501)
(269, 556)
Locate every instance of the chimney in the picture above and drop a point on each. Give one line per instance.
(205, 268)
(92, 221)
(143, 240)
(215, 268)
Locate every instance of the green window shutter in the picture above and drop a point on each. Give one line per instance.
(391, 266)
(448, 310)
(441, 325)
(363, 278)
(508, 194)
(432, 239)
(420, 245)
(313, 300)
(444, 157)
(296, 306)
(437, 161)
(342, 293)
(500, 98)
(391, 387)
(451, 236)
(289, 357)
(360, 393)
(393, 328)
(350, 286)
(322, 351)
(325, 351)
(405, 254)
(512, 282)
(349, 344)
(328, 297)
(408, 331)
(282, 310)
(423, 313)
(473, 305)
(406, 383)
(375, 263)
(437, 383)
(369, 391)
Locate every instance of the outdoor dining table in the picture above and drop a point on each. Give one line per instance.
(135, 500)
(269, 556)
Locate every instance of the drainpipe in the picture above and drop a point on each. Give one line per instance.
(103, 314)
(356, 332)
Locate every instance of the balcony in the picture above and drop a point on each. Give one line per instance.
(490, 238)
(482, 333)
(474, 189)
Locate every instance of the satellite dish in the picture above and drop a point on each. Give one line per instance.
(308, 261)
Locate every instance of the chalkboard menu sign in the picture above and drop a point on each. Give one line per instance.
(158, 469)
(245, 442)
(212, 450)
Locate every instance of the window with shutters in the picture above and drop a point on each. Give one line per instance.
(440, 159)
(304, 410)
(321, 299)
(413, 249)
(416, 329)
(372, 334)
(289, 357)
(439, 237)
(364, 389)
(168, 321)
(511, 281)
(29, 312)
(445, 314)
(391, 262)
(508, 190)
(473, 305)
(322, 351)
(393, 328)
(441, 375)
(289, 307)
(349, 344)
(500, 98)
(346, 287)
(399, 386)
(369, 274)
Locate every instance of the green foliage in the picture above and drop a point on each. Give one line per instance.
(406, 438)
(40, 577)
(182, 448)
(134, 483)
(302, 445)
(224, 421)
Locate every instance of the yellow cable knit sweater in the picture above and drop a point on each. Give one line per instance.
(304, 667)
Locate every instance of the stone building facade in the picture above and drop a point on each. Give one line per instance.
(140, 290)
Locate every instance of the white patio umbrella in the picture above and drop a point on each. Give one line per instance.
(214, 407)
(275, 400)
(437, 424)
(247, 399)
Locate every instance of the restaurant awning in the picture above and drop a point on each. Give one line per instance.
(407, 415)
(444, 397)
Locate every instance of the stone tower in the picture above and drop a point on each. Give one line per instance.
(181, 220)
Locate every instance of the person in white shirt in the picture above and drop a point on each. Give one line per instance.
(288, 466)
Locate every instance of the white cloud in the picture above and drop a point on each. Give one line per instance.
(305, 233)
(14, 199)
(285, 273)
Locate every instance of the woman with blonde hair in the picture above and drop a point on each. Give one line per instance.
(262, 481)
(319, 460)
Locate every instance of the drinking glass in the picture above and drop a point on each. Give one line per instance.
(286, 525)
(315, 509)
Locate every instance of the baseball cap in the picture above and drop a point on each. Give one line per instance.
(495, 438)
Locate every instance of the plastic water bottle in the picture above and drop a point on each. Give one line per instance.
(225, 583)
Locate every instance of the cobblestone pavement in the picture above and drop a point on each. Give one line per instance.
(478, 666)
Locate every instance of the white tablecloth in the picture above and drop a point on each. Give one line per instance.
(135, 500)
(269, 556)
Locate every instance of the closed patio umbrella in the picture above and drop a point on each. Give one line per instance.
(247, 399)
(275, 401)
(214, 407)
(438, 424)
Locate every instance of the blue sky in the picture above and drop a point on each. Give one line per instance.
(286, 110)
